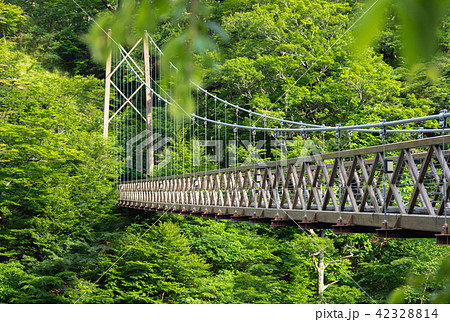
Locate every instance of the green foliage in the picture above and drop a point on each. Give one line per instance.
(160, 269)
(54, 185)
(54, 31)
(11, 17)
(290, 60)
(48, 150)
(230, 249)
(8, 64)
(442, 277)
(191, 38)
(420, 21)
(416, 289)
(248, 264)
(11, 275)
(59, 230)
(344, 294)
(394, 263)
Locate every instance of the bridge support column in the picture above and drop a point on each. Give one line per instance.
(148, 97)
(107, 92)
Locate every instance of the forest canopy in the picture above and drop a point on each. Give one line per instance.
(60, 228)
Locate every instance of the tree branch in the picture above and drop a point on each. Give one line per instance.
(338, 260)
(109, 6)
(326, 286)
(315, 262)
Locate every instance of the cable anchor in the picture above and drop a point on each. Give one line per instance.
(338, 131)
(219, 126)
(442, 119)
(254, 130)
(383, 130)
(420, 133)
(303, 132)
(235, 128)
(275, 132)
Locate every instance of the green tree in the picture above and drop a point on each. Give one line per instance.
(292, 60)
(54, 30)
(55, 186)
(161, 268)
(329, 265)
(11, 17)
(249, 263)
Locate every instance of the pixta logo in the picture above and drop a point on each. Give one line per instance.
(217, 151)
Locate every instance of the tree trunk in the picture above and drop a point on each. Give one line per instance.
(320, 273)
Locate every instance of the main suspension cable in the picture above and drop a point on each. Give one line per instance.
(231, 104)
(313, 128)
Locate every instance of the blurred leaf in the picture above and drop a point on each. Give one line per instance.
(98, 41)
(420, 22)
(146, 18)
(369, 24)
(129, 24)
(216, 28)
(397, 296)
(444, 271)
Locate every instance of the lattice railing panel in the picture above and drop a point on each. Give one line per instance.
(350, 181)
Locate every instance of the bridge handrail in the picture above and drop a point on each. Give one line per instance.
(314, 158)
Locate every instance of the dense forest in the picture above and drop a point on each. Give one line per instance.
(64, 240)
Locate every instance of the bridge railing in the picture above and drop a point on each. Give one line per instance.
(346, 183)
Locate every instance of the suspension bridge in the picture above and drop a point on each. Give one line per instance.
(223, 161)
